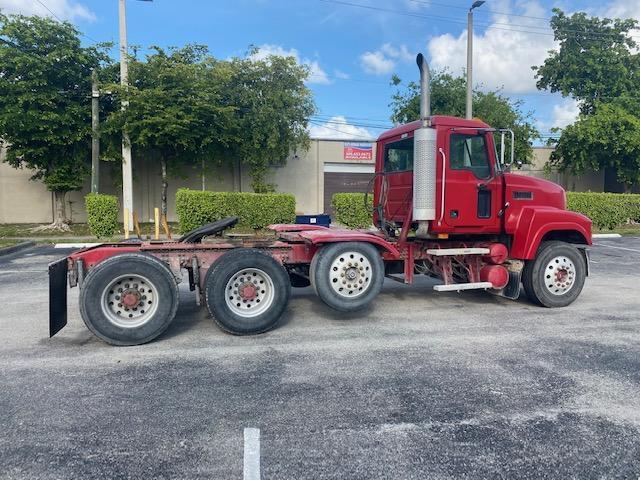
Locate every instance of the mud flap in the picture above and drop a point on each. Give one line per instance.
(512, 290)
(57, 296)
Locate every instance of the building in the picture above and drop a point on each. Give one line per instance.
(327, 167)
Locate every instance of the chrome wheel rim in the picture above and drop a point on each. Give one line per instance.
(350, 274)
(559, 275)
(249, 292)
(130, 301)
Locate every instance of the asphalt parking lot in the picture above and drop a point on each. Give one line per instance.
(421, 385)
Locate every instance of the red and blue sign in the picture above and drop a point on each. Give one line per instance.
(358, 151)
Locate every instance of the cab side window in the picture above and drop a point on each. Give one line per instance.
(398, 156)
(469, 152)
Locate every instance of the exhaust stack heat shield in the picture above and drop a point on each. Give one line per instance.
(424, 174)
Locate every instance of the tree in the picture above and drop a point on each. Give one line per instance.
(596, 61)
(174, 112)
(272, 110)
(448, 94)
(610, 137)
(45, 112)
(598, 64)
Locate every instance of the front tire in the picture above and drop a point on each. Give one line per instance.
(246, 291)
(556, 276)
(129, 299)
(347, 276)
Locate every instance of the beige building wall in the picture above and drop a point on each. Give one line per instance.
(26, 201)
(23, 200)
(590, 181)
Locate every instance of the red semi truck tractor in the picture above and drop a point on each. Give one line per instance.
(444, 205)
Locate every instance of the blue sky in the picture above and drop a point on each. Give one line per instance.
(352, 50)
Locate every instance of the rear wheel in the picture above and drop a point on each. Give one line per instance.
(347, 276)
(246, 291)
(129, 299)
(556, 276)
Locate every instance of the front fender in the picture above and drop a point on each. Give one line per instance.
(529, 226)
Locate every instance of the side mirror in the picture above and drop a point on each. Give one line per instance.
(507, 166)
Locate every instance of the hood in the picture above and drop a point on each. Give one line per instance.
(522, 189)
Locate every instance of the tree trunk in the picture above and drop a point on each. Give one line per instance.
(60, 221)
(163, 164)
(60, 213)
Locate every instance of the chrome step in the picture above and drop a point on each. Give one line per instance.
(457, 287)
(443, 252)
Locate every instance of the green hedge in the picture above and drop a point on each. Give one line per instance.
(350, 210)
(606, 210)
(102, 214)
(255, 210)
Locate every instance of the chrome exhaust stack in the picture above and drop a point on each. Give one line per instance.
(424, 157)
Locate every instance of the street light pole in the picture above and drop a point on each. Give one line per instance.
(469, 110)
(95, 135)
(127, 176)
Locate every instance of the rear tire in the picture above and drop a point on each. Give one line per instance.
(246, 291)
(129, 299)
(347, 276)
(556, 276)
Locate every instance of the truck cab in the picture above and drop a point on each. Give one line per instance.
(475, 194)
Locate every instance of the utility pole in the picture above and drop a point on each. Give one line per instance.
(469, 110)
(95, 134)
(127, 176)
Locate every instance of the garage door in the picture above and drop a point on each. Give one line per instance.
(339, 182)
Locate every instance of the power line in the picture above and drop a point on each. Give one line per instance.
(62, 21)
(454, 20)
(351, 134)
(429, 2)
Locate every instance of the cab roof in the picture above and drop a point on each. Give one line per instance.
(436, 120)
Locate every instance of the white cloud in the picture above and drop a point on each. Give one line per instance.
(337, 127)
(316, 73)
(623, 9)
(64, 9)
(400, 53)
(341, 75)
(376, 63)
(503, 56)
(565, 113)
(383, 61)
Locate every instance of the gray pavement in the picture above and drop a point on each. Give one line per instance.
(421, 385)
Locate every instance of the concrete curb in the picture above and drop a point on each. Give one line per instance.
(75, 245)
(16, 248)
(606, 235)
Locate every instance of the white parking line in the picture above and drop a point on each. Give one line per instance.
(606, 235)
(23, 271)
(618, 248)
(251, 454)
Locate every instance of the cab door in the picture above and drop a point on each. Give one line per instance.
(395, 185)
(473, 189)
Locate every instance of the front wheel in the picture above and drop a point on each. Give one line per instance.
(347, 276)
(246, 291)
(556, 276)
